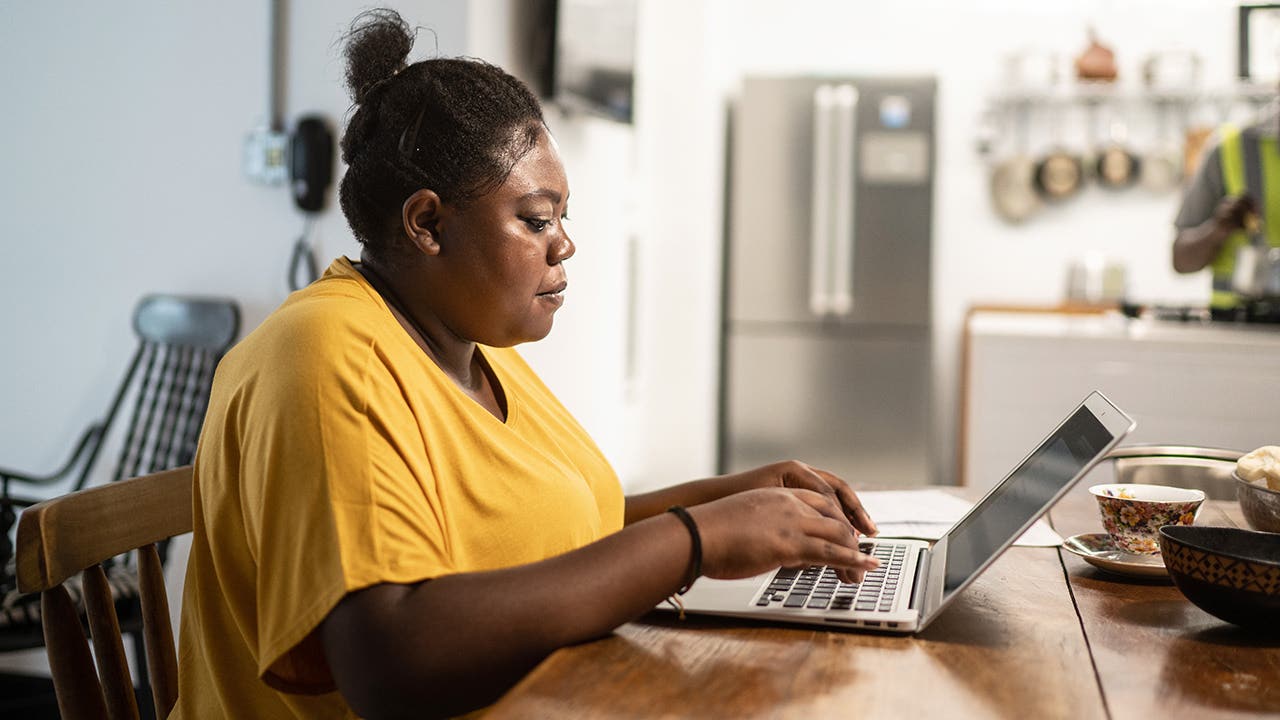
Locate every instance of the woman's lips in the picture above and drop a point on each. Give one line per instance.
(555, 295)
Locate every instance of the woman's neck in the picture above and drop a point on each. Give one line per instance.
(454, 355)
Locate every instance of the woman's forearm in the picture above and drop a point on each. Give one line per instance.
(455, 643)
(696, 492)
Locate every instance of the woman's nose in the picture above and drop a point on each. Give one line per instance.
(562, 249)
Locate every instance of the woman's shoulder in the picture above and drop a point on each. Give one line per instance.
(336, 318)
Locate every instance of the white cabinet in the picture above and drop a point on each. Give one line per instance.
(1185, 384)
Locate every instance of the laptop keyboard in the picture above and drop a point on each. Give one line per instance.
(816, 587)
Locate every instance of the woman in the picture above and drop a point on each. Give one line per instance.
(393, 515)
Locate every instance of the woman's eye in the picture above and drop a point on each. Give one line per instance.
(537, 224)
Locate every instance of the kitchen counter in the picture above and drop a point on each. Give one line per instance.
(1116, 325)
(1209, 384)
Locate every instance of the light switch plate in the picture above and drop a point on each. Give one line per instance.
(266, 158)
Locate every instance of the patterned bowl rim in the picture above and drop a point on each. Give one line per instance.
(1197, 495)
(1172, 537)
(1260, 488)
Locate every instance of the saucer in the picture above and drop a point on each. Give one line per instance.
(1098, 550)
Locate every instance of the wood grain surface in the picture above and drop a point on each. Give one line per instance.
(1041, 634)
(1011, 647)
(1157, 655)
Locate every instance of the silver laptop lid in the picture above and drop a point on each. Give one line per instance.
(1077, 444)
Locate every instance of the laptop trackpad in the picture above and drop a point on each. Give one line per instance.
(723, 595)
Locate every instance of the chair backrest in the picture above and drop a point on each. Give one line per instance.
(181, 340)
(75, 533)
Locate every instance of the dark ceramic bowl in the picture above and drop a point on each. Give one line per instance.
(1259, 503)
(1230, 573)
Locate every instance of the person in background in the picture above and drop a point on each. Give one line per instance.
(393, 515)
(1238, 177)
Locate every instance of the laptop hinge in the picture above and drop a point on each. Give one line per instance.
(918, 587)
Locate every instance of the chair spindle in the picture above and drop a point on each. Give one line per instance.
(108, 646)
(162, 659)
(74, 680)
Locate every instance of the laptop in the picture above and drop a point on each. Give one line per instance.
(916, 582)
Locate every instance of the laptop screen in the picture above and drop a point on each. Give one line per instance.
(1024, 495)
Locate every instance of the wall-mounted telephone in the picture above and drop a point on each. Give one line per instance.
(311, 162)
(310, 174)
(303, 157)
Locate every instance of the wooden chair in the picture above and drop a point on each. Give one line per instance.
(77, 532)
(157, 410)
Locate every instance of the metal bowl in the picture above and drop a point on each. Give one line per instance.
(1260, 505)
(1211, 470)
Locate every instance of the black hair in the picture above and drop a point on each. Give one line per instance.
(453, 125)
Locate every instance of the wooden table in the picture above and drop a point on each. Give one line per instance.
(1041, 634)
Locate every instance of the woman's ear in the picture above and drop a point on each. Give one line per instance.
(420, 216)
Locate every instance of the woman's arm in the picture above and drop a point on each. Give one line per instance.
(455, 643)
(696, 492)
(790, 474)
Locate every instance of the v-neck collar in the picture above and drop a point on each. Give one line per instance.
(500, 386)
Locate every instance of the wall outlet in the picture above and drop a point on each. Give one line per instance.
(266, 156)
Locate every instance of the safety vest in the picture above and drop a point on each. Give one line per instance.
(1239, 155)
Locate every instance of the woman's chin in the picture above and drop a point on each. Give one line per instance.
(522, 335)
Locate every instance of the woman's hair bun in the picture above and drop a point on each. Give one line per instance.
(377, 46)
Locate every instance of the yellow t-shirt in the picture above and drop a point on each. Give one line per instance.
(336, 455)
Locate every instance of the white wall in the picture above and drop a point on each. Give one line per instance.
(120, 141)
(122, 130)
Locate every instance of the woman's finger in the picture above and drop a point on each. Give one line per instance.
(830, 529)
(801, 476)
(827, 505)
(816, 550)
(811, 478)
(853, 508)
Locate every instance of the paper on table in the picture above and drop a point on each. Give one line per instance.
(927, 514)
(913, 506)
(1038, 535)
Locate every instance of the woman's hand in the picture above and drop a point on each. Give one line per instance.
(795, 474)
(754, 531)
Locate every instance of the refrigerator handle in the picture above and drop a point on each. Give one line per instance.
(820, 202)
(843, 235)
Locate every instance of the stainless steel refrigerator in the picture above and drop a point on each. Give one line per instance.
(826, 346)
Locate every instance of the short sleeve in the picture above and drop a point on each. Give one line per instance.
(1204, 192)
(339, 498)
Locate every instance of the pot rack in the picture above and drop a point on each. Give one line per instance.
(1013, 108)
(1085, 93)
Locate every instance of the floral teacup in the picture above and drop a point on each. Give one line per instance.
(1134, 514)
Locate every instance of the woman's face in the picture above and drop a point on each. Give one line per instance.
(501, 256)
